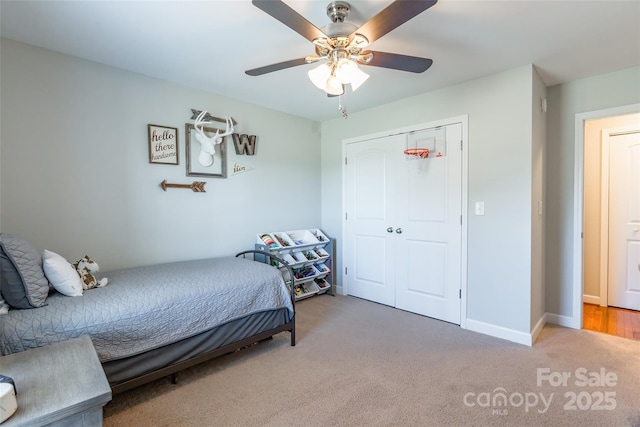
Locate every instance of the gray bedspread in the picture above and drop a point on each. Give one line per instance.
(144, 308)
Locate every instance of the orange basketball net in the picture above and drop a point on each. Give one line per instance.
(416, 153)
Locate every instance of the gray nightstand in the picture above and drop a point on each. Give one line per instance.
(61, 384)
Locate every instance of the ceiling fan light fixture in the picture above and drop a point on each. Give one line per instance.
(320, 75)
(340, 45)
(333, 86)
(358, 78)
(346, 70)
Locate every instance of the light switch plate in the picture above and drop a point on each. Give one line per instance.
(479, 208)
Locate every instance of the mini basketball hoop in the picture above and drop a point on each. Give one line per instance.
(416, 153)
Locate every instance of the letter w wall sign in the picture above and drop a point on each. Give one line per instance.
(244, 144)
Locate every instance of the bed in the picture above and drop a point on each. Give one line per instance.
(153, 321)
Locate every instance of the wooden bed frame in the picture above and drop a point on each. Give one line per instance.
(173, 369)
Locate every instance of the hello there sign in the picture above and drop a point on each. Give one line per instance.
(163, 144)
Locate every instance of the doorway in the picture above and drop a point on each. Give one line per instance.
(593, 255)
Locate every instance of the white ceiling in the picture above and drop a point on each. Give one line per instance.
(209, 44)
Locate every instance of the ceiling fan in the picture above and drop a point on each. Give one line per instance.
(341, 45)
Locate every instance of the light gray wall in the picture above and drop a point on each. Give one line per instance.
(75, 177)
(538, 139)
(564, 102)
(500, 174)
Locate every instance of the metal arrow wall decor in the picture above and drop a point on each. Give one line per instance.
(195, 186)
(209, 118)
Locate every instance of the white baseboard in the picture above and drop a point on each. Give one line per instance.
(500, 332)
(591, 299)
(538, 328)
(566, 321)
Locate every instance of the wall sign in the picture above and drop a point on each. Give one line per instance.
(163, 144)
(238, 168)
(244, 144)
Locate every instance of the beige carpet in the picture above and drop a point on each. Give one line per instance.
(358, 363)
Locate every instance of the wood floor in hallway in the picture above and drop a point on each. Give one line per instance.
(611, 320)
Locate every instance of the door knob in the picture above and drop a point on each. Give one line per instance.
(390, 230)
(399, 230)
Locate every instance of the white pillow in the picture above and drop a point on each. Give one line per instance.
(62, 275)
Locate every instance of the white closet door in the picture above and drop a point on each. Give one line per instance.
(403, 236)
(370, 204)
(429, 249)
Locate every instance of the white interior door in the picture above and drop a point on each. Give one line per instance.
(429, 208)
(403, 235)
(624, 221)
(370, 203)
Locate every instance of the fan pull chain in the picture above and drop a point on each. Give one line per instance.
(342, 108)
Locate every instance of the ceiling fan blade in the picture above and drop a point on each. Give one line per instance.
(289, 17)
(391, 17)
(276, 67)
(396, 61)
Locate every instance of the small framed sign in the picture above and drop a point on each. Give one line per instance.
(163, 144)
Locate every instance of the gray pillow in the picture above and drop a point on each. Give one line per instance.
(22, 283)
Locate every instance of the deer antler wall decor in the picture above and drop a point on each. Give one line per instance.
(207, 143)
(195, 113)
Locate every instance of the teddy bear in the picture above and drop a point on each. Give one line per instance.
(85, 268)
